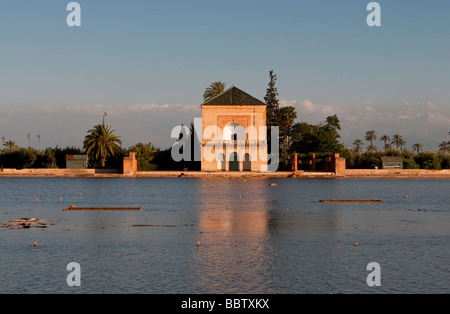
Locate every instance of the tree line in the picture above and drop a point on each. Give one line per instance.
(414, 158)
(149, 158)
(104, 147)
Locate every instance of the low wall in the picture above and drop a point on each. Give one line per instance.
(399, 173)
(47, 172)
(349, 173)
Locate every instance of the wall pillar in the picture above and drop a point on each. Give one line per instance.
(295, 163)
(130, 164)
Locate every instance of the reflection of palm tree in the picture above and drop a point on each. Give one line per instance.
(10, 145)
(385, 139)
(370, 137)
(417, 148)
(101, 143)
(213, 90)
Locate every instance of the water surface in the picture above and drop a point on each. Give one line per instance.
(254, 238)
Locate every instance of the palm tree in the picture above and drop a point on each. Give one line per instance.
(101, 143)
(213, 90)
(401, 142)
(444, 146)
(385, 139)
(396, 139)
(10, 145)
(357, 143)
(417, 148)
(370, 137)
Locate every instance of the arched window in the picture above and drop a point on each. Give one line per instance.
(233, 132)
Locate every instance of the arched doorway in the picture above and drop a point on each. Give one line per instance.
(221, 162)
(234, 162)
(247, 162)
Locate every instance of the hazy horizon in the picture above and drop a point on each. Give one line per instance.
(147, 63)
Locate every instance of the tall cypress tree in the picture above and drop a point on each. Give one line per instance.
(271, 99)
(273, 107)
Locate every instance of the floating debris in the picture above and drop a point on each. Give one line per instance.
(25, 223)
(73, 207)
(352, 201)
(163, 226)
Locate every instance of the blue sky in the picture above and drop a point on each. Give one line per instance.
(146, 63)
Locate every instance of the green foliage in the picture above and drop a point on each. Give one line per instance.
(60, 154)
(19, 158)
(350, 157)
(424, 159)
(444, 160)
(145, 153)
(271, 100)
(286, 119)
(213, 90)
(322, 139)
(45, 159)
(370, 137)
(145, 166)
(410, 164)
(432, 164)
(10, 145)
(116, 161)
(163, 160)
(101, 143)
(411, 160)
(369, 160)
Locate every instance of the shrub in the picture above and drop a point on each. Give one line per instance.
(432, 164)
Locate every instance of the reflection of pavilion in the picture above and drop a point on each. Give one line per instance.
(234, 254)
(234, 118)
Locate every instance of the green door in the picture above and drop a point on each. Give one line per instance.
(234, 163)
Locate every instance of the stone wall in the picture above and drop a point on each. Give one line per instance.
(47, 172)
(406, 173)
